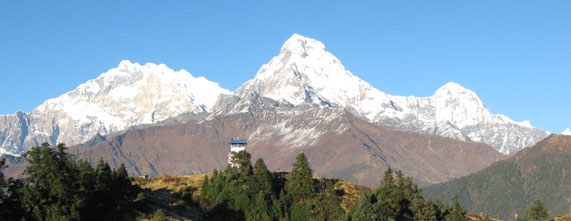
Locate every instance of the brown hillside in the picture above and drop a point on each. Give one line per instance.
(338, 145)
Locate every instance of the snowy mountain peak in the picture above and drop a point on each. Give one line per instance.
(305, 72)
(127, 95)
(566, 132)
(298, 44)
(452, 89)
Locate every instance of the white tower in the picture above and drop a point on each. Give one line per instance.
(236, 146)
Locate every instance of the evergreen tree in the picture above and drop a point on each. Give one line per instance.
(280, 207)
(3, 185)
(417, 206)
(326, 205)
(301, 211)
(388, 197)
(537, 212)
(121, 189)
(10, 196)
(299, 185)
(242, 160)
(56, 187)
(204, 190)
(364, 208)
(261, 209)
(52, 184)
(442, 210)
(103, 186)
(405, 193)
(262, 177)
(428, 212)
(457, 213)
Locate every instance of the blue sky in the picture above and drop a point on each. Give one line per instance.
(516, 55)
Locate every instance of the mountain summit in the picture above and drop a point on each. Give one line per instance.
(128, 95)
(303, 75)
(304, 72)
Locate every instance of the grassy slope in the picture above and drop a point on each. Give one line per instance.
(163, 192)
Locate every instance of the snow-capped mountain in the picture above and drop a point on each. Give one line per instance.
(302, 76)
(566, 132)
(304, 73)
(125, 96)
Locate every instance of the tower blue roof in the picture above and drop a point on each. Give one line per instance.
(238, 142)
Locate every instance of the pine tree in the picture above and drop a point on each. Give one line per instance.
(299, 184)
(280, 207)
(262, 177)
(3, 185)
(417, 206)
(122, 188)
(364, 208)
(388, 198)
(10, 197)
(261, 209)
(242, 160)
(53, 187)
(204, 190)
(537, 212)
(103, 184)
(457, 213)
(301, 211)
(326, 205)
(429, 212)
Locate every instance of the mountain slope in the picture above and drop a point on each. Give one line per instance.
(338, 144)
(304, 73)
(128, 95)
(510, 187)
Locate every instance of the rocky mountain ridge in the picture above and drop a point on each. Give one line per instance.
(304, 73)
(302, 76)
(128, 95)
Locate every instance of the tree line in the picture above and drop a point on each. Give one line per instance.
(244, 192)
(57, 187)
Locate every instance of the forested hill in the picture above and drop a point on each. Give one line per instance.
(507, 188)
(57, 187)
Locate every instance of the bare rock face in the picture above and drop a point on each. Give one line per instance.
(337, 144)
(126, 96)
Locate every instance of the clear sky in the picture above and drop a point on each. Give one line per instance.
(516, 55)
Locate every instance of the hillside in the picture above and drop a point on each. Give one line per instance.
(509, 187)
(338, 144)
(167, 189)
